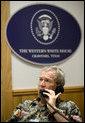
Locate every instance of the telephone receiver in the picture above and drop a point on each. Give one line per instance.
(41, 93)
(58, 90)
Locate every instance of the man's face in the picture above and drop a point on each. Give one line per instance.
(46, 80)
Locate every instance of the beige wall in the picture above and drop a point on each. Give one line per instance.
(6, 76)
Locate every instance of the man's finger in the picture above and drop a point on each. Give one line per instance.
(58, 95)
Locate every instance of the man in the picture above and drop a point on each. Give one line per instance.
(48, 107)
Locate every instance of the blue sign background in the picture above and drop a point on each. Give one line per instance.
(32, 44)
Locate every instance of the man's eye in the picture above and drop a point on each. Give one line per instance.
(40, 79)
(47, 80)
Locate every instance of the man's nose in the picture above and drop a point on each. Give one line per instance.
(43, 82)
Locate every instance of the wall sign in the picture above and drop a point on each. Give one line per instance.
(43, 34)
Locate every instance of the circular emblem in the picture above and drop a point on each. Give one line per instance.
(41, 35)
(45, 27)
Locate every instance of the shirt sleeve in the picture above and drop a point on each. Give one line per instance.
(21, 110)
(74, 112)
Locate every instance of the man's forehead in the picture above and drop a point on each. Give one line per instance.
(48, 73)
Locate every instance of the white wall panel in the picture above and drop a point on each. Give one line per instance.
(25, 75)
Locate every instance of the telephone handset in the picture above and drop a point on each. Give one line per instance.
(58, 89)
(41, 93)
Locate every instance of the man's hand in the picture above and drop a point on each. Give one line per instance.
(51, 98)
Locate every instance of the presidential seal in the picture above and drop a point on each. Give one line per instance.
(45, 27)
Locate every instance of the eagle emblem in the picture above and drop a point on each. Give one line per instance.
(45, 28)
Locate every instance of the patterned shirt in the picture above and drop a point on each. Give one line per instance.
(32, 111)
